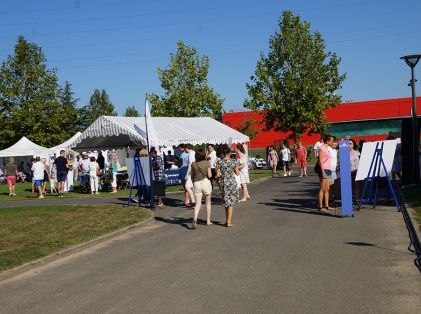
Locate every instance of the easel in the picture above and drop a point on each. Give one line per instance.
(137, 178)
(371, 182)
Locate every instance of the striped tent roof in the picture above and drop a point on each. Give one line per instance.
(109, 131)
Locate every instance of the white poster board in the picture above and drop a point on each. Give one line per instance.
(144, 161)
(367, 154)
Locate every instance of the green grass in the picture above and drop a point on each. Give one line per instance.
(413, 197)
(33, 232)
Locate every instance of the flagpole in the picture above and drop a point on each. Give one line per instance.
(151, 196)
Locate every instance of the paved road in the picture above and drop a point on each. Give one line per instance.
(279, 258)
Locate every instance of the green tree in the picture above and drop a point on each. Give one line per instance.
(185, 82)
(29, 102)
(131, 111)
(99, 105)
(69, 104)
(248, 127)
(296, 81)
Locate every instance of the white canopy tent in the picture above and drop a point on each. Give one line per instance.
(24, 147)
(110, 132)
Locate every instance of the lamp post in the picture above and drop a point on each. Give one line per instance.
(411, 61)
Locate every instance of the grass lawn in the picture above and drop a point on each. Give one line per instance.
(413, 197)
(33, 232)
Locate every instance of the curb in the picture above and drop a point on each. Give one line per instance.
(7, 274)
(411, 213)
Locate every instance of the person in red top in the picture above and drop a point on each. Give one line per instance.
(301, 159)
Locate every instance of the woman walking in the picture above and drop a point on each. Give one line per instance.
(226, 169)
(46, 175)
(325, 172)
(201, 173)
(11, 172)
(301, 159)
(244, 170)
(273, 160)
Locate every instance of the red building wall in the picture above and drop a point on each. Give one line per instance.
(345, 112)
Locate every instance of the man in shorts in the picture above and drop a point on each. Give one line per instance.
(60, 163)
(38, 175)
(11, 172)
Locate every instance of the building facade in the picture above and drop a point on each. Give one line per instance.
(370, 120)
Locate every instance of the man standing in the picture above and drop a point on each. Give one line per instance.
(84, 172)
(38, 175)
(61, 166)
(11, 172)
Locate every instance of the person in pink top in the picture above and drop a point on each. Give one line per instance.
(273, 159)
(324, 160)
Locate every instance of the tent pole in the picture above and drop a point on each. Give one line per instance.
(151, 196)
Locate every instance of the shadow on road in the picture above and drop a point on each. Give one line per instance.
(375, 246)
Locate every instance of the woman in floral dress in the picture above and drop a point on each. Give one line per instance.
(226, 168)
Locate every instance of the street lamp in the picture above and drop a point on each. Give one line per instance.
(411, 61)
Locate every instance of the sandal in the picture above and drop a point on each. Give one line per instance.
(193, 225)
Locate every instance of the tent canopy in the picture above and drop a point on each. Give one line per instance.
(109, 131)
(24, 147)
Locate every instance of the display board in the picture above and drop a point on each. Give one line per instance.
(367, 154)
(144, 161)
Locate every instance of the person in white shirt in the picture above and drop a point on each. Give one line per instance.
(84, 172)
(317, 147)
(334, 163)
(286, 158)
(189, 183)
(93, 175)
(38, 174)
(75, 168)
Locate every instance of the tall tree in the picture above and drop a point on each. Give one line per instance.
(248, 127)
(69, 104)
(296, 81)
(29, 102)
(131, 111)
(185, 82)
(99, 105)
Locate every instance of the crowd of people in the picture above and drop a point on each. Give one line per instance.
(203, 169)
(200, 171)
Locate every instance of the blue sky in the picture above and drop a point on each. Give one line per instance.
(117, 45)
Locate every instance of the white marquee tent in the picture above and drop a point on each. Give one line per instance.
(109, 132)
(24, 147)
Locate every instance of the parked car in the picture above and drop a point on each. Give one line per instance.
(256, 162)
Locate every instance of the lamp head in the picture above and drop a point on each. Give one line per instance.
(411, 60)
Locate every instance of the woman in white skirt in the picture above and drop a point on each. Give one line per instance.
(244, 171)
(201, 173)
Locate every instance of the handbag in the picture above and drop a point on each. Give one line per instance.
(317, 168)
(238, 181)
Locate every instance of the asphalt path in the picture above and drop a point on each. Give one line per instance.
(280, 257)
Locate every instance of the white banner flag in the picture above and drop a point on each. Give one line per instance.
(150, 129)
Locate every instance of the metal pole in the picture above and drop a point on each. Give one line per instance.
(416, 134)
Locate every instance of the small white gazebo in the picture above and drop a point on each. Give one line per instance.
(24, 147)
